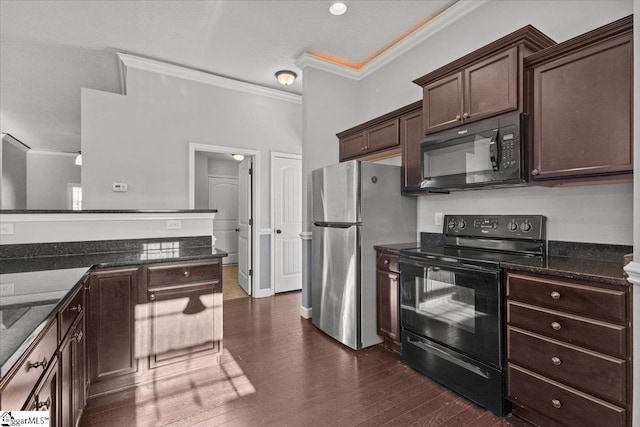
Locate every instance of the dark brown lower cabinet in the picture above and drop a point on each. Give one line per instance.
(183, 322)
(568, 351)
(73, 376)
(45, 397)
(387, 284)
(111, 345)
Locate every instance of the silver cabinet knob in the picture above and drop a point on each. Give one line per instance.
(458, 117)
(42, 364)
(77, 308)
(556, 326)
(556, 403)
(556, 361)
(555, 295)
(535, 172)
(186, 273)
(46, 404)
(77, 337)
(152, 297)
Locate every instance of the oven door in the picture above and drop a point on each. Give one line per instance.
(458, 306)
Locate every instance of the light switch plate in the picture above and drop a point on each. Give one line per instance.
(174, 224)
(7, 289)
(439, 218)
(6, 228)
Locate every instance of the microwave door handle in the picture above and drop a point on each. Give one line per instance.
(494, 151)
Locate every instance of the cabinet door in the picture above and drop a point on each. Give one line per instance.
(582, 113)
(352, 146)
(387, 296)
(111, 326)
(45, 398)
(490, 86)
(442, 103)
(385, 135)
(410, 136)
(185, 321)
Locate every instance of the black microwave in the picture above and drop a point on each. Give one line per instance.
(489, 153)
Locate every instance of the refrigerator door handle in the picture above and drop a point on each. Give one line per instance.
(333, 224)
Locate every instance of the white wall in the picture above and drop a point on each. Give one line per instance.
(13, 161)
(143, 138)
(74, 227)
(48, 174)
(201, 181)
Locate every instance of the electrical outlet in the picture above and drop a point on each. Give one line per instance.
(174, 224)
(6, 289)
(6, 228)
(120, 187)
(439, 218)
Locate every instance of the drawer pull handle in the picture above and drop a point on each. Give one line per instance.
(385, 262)
(186, 274)
(556, 361)
(556, 326)
(556, 403)
(46, 404)
(152, 297)
(555, 295)
(77, 308)
(77, 337)
(42, 364)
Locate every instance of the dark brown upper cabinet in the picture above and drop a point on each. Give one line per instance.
(395, 133)
(484, 83)
(581, 105)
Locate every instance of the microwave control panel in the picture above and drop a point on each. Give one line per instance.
(510, 149)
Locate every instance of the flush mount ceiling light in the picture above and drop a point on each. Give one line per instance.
(79, 158)
(338, 9)
(286, 77)
(238, 157)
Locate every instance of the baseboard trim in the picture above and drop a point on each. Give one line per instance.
(305, 312)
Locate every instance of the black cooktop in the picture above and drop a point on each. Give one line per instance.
(485, 240)
(462, 255)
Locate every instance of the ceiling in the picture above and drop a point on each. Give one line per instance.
(50, 49)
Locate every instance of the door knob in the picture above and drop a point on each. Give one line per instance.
(278, 231)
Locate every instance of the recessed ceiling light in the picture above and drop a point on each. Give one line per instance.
(286, 77)
(338, 8)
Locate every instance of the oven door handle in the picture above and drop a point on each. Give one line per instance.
(446, 356)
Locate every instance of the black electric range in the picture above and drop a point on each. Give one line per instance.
(451, 302)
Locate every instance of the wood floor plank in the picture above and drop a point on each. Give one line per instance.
(277, 369)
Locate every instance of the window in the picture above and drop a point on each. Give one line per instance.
(74, 196)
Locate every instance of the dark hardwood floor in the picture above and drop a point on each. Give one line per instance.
(279, 370)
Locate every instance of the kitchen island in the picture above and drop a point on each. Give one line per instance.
(139, 302)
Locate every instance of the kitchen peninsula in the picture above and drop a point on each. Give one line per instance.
(86, 318)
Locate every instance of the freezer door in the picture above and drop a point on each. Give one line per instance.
(335, 288)
(336, 193)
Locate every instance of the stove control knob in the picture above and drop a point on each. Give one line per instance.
(512, 226)
(452, 224)
(525, 226)
(462, 224)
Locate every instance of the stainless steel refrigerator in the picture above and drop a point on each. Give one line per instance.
(355, 206)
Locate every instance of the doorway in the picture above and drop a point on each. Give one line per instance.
(229, 188)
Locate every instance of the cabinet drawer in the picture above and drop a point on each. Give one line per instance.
(562, 404)
(70, 312)
(176, 273)
(592, 334)
(576, 298)
(16, 392)
(388, 262)
(600, 375)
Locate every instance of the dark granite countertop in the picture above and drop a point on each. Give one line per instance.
(42, 284)
(395, 248)
(109, 211)
(571, 268)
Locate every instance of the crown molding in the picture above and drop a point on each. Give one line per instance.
(53, 153)
(446, 18)
(154, 66)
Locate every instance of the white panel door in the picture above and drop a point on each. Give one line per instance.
(287, 211)
(245, 226)
(223, 196)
